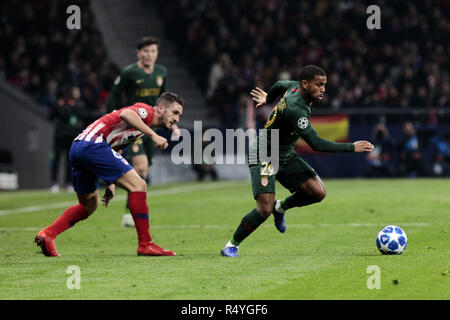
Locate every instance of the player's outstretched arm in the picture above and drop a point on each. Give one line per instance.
(324, 145)
(363, 146)
(132, 119)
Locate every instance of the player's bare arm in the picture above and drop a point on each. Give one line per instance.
(134, 121)
(259, 96)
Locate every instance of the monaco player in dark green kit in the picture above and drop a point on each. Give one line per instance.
(143, 81)
(290, 117)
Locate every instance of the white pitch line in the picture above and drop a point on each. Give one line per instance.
(36, 208)
(156, 193)
(223, 226)
(301, 225)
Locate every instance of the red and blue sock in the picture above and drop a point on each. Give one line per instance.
(68, 219)
(137, 202)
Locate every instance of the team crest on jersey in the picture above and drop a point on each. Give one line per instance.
(142, 113)
(139, 81)
(159, 81)
(303, 123)
(264, 181)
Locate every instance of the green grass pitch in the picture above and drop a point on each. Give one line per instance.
(324, 253)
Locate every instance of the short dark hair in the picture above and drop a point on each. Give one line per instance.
(169, 98)
(310, 71)
(147, 41)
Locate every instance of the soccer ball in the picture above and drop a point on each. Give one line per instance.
(392, 240)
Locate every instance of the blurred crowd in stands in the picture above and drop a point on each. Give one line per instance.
(49, 61)
(67, 72)
(411, 153)
(231, 46)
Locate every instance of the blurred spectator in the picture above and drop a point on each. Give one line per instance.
(207, 167)
(204, 170)
(49, 96)
(67, 114)
(441, 166)
(218, 70)
(410, 156)
(380, 159)
(226, 98)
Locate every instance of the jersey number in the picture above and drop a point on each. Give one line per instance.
(266, 169)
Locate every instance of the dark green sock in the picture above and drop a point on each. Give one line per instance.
(248, 224)
(283, 204)
(297, 199)
(294, 200)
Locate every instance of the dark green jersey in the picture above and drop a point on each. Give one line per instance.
(291, 116)
(138, 86)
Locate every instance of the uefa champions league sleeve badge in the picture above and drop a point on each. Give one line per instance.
(303, 123)
(142, 112)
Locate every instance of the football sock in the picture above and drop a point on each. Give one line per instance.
(137, 202)
(248, 224)
(283, 204)
(127, 205)
(297, 199)
(69, 217)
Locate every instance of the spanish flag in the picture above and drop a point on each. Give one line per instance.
(334, 128)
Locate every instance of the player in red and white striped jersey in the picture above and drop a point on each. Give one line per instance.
(93, 155)
(114, 131)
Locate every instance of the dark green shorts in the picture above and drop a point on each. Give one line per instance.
(142, 146)
(291, 176)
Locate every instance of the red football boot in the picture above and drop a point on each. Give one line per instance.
(152, 249)
(47, 244)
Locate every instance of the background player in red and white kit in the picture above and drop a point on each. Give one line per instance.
(93, 155)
